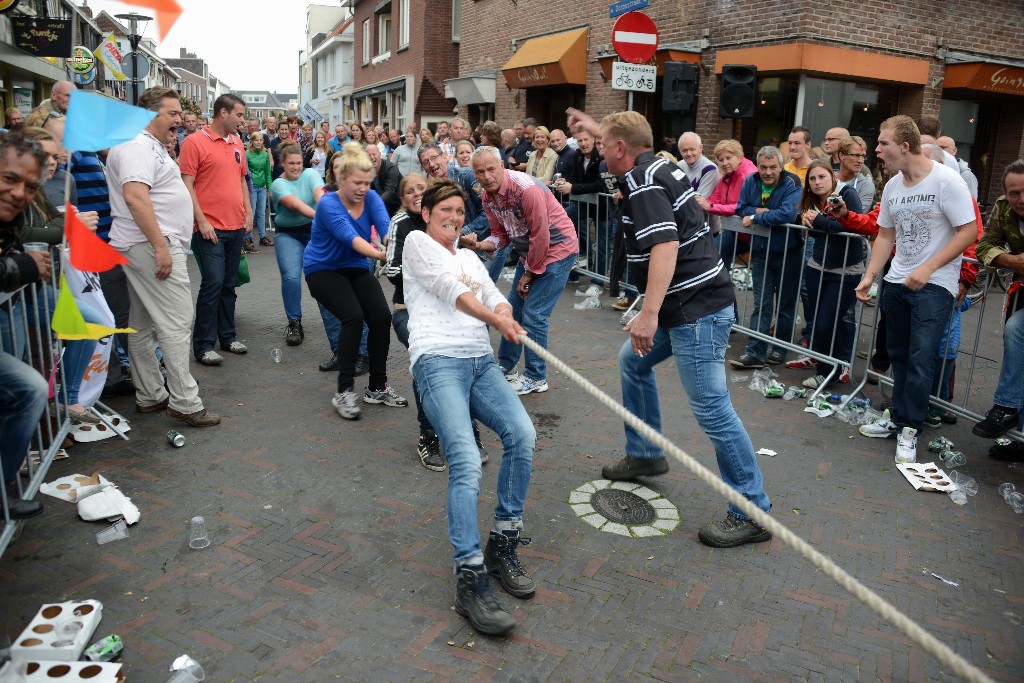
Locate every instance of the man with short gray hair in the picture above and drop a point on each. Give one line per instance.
(770, 198)
(60, 97)
(701, 173)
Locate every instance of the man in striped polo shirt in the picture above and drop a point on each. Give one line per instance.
(689, 308)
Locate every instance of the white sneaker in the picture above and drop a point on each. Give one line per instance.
(511, 375)
(526, 385)
(345, 404)
(906, 446)
(210, 358)
(882, 428)
(814, 382)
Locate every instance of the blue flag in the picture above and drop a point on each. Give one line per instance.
(95, 122)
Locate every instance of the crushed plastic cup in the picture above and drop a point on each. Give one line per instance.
(1015, 499)
(762, 379)
(275, 355)
(591, 302)
(1005, 490)
(588, 291)
(953, 458)
(966, 484)
(794, 392)
(198, 537)
(186, 670)
(958, 497)
(114, 532)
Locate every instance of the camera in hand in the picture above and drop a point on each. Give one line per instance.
(833, 200)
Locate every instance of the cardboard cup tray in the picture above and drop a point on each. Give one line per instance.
(63, 672)
(40, 640)
(926, 476)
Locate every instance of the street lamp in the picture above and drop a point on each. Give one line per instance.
(134, 37)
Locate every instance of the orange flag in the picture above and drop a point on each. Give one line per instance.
(88, 252)
(167, 12)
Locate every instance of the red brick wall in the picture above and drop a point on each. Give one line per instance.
(430, 53)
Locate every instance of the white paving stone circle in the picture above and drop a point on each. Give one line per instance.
(667, 514)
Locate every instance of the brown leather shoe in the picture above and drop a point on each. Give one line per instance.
(139, 408)
(200, 418)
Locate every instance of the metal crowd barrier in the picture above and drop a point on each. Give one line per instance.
(26, 335)
(594, 216)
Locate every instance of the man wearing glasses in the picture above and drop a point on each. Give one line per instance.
(831, 145)
(435, 165)
(60, 96)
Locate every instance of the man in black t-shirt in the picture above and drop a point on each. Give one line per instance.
(689, 308)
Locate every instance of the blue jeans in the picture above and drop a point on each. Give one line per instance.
(699, 352)
(533, 314)
(496, 262)
(288, 249)
(455, 391)
(23, 394)
(400, 321)
(776, 277)
(831, 300)
(1010, 388)
(914, 324)
(258, 199)
(215, 304)
(805, 297)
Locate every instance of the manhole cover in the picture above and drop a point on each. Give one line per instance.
(623, 507)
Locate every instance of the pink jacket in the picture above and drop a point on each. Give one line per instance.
(727, 193)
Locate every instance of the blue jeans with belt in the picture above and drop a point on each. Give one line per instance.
(698, 348)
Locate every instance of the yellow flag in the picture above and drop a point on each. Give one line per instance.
(68, 322)
(109, 53)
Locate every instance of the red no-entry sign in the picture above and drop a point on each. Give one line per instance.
(635, 37)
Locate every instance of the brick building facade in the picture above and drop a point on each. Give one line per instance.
(404, 52)
(845, 63)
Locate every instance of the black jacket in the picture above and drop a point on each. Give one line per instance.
(16, 268)
(386, 184)
(585, 182)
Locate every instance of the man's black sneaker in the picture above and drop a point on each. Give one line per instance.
(329, 365)
(429, 450)
(933, 419)
(775, 357)
(480, 444)
(996, 423)
(502, 561)
(631, 467)
(1007, 451)
(294, 335)
(731, 532)
(948, 417)
(746, 362)
(362, 365)
(474, 600)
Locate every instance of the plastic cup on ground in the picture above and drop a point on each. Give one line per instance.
(1016, 500)
(35, 246)
(114, 532)
(953, 458)
(966, 484)
(1005, 490)
(198, 537)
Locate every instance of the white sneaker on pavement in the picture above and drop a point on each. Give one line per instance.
(906, 446)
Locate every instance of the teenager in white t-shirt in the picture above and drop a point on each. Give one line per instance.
(927, 212)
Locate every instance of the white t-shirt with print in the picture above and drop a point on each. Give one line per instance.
(924, 217)
(433, 278)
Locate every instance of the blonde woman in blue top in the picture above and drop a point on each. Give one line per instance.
(338, 273)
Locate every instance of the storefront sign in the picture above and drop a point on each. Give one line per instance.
(110, 55)
(1007, 80)
(532, 75)
(997, 78)
(81, 60)
(84, 79)
(42, 37)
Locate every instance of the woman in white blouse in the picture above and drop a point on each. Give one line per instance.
(451, 301)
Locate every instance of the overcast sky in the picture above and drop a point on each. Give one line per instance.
(250, 44)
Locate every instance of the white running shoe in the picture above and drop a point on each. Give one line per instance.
(526, 385)
(345, 404)
(882, 428)
(906, 446)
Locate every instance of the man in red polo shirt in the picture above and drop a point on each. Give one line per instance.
(213, 167)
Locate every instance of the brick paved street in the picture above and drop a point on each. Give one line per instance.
(330, 560)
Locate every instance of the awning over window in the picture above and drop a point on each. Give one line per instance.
(557, 59)
(397, 84)
(997, 78)
(475, 88)
(827, 61)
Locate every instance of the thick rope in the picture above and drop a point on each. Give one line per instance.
(946, 656)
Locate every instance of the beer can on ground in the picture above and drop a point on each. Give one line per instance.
(175, 439)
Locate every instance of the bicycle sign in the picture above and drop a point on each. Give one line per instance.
(637, 77)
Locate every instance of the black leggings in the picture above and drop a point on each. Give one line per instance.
(355, 296)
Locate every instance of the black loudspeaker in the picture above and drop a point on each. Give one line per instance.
(739, 90)
(679, 88)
